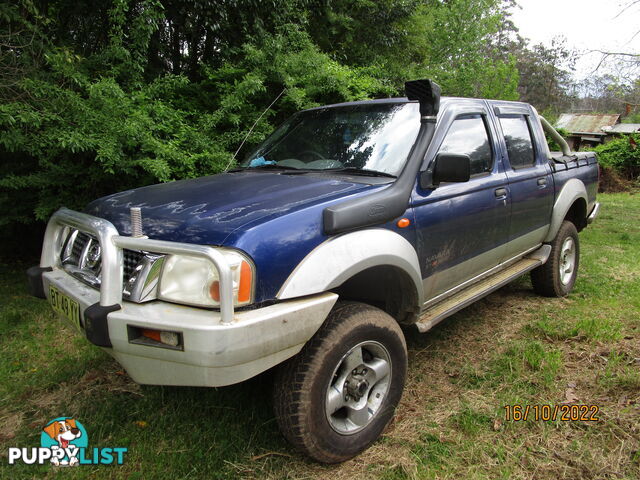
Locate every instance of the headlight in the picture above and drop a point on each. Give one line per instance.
(195, 280)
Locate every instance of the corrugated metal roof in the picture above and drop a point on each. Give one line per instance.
(586, 123)
(625, 128)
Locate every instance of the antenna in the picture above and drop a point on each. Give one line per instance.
(252, 127)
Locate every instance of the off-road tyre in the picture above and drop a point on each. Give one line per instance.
(552, 278)
(302, 384)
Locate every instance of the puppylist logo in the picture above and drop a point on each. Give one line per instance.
(64, 443)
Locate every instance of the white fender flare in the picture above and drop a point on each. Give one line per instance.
(571, 191)
(336, 260)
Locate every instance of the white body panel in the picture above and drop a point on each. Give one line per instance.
(214, 354)
(571, 191)
(340, 258)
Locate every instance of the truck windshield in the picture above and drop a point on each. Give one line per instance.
(363, 138)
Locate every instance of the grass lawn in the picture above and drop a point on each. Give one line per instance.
(512, 348)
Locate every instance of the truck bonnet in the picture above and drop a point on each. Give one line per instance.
(206, 210)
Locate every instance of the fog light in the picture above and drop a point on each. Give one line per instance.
(155, 338)
(169, 338)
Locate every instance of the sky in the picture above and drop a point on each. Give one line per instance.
(586, 24)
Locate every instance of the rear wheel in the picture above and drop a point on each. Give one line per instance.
(334, 398)
(557, 277)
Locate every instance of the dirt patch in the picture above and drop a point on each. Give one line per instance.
(612, 181)
(432, 411)
(110, 379)
(10, 425)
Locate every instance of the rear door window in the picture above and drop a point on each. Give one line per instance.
(517, 136)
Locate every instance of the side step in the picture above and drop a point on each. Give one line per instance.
(441, 310)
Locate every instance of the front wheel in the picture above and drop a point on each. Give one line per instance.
(557, 276)
(334, 398)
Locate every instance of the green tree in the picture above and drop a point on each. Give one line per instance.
(100, 97)
(545, 74)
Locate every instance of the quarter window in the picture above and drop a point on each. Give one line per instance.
(517, 136)
(468, 135)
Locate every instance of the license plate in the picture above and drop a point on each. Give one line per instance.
(68, 308)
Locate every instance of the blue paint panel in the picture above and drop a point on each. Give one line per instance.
(457, 222)
(531, 188)
(275, 218)
(588, 175)
(532, 203)
(206, 210)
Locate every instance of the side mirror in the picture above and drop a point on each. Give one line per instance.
(447, 167)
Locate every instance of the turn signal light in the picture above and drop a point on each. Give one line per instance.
(161, 336)
(214, 290)
(243, 285)
(246, 280)
(152, 334)
(155, 338)
(403, 223)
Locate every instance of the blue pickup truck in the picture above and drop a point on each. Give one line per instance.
(348, 222)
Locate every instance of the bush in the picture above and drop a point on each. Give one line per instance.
(75, 138)
(98, 97)
(621, 155)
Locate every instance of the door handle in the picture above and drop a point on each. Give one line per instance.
(501, 192)
(542, 182)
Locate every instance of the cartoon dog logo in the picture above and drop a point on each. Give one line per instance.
(64, 431)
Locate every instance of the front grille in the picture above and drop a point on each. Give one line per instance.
(76, 249)
(82, 253)
(81, 257)
(131, 260)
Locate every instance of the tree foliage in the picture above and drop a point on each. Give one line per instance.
(97, 97)
(545, 74)
(622, 154)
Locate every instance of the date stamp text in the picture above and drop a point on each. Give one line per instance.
(551, 413)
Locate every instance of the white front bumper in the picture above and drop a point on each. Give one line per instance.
(214, 353)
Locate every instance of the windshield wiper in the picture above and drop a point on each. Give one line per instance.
(288, 170)
(270, 166)
(361, 171)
